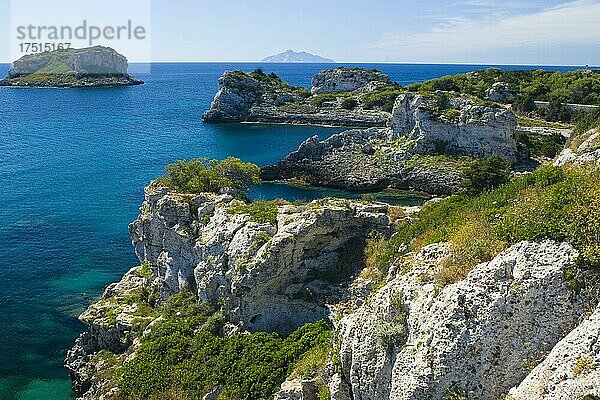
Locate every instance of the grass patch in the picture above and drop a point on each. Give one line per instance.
(260, 211)
(551, 203)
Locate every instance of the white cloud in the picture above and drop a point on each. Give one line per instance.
(574, 24)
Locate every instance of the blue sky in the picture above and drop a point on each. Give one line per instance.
(441, 31)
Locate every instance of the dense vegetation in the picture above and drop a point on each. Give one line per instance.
(185, 356)
(383, 98)
(567, 87)
(276, 82)
(554, 203)
(204, 175)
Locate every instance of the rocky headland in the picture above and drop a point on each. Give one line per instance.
(258, 97)
(416, 141)
(429, 141)
(90, 67)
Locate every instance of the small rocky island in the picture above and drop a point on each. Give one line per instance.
(74, 68)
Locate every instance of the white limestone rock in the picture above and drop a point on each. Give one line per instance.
(266, 276)
(570, 371)
(499, 92)
(415, 341)
(346, 80)
(470, 129)
(587, 153)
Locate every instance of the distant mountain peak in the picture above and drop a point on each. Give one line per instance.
(293, 56)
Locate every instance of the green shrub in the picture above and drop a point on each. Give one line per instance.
(349, 103)
(145, 270)
(260, 211)
(318, 100)
(526, 86)
(203, 175)
(486, 174)
(181, 356)
(383, 98)
(550, 203)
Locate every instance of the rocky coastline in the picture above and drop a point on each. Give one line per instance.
(74, 68)
(487, 295)
(411, 141)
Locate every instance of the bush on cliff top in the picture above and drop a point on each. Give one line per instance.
(204, 175)
(185, 356)
(551, 203)
(486, 174)
(566, 87)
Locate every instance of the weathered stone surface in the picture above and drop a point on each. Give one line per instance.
(499, 92)
(346, 80)
(478, 336)
(403, 156)
(477, 131)
(570, 371)
(368, 159)
(269, 276)
(111, 325)
(297, 389)
(587, 153)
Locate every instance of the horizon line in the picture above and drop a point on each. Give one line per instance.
(352, 62)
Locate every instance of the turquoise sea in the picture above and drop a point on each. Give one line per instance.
(73, 164)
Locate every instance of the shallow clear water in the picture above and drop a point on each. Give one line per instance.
(73, 164)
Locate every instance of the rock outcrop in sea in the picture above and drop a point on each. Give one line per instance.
(89, 67)
(258, 97)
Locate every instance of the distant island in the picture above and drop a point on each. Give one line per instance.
(88, 67)
(302, 57)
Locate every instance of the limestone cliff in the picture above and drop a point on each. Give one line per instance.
(269, 274)
(475, 338)
(425, 148)
(261, 272)
(346, 80)
(89, 67)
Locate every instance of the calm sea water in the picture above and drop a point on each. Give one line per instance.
(73, 164)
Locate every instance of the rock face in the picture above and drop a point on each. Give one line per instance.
(570, 371)
(364, 160)
(420, 151)
(271, 276)
(499, 92)
(478, 337)
(346, 80)
(95, 66)
(111, 324)
(257, 97)
(463, 127)
(587, 153)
